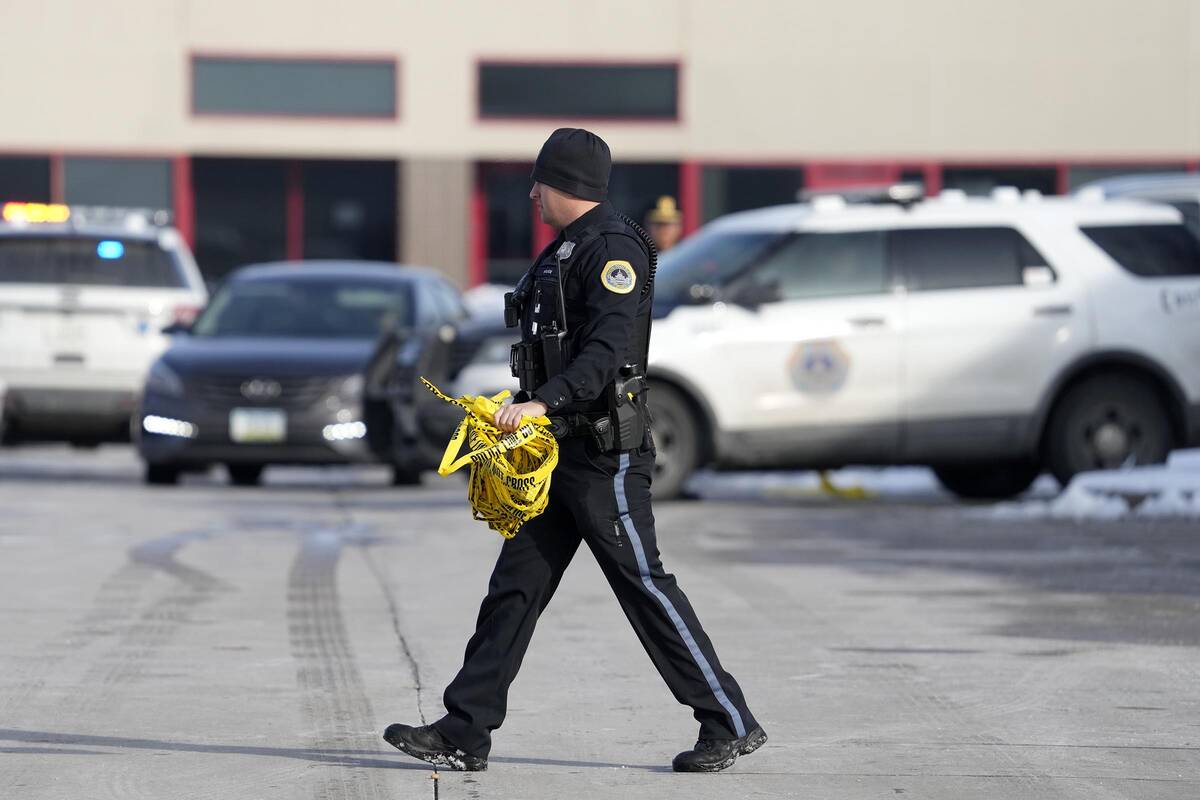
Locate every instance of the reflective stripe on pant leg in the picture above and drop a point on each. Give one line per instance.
(676, 620)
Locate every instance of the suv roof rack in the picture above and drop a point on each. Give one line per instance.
(901, 194)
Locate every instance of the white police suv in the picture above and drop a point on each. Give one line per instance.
(990, 338)
(85, 294)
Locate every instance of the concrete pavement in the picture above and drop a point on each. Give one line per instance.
(204, 641)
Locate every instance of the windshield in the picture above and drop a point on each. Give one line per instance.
(306, 309)
(87, 261)
(710, 258)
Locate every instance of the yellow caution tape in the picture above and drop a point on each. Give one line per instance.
(844, 492)
(510, 472)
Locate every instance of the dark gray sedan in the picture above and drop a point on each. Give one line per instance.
(304, 363)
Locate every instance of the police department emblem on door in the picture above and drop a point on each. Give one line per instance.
(819, 367)
(618, 276)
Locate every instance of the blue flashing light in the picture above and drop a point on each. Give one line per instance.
(110, 249)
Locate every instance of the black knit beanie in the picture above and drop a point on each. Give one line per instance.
(575, 161)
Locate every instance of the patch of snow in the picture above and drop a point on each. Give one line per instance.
(1170, 490)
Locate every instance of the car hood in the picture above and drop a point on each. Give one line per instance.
(279, 357)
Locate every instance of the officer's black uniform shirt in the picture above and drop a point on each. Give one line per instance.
(602, 292)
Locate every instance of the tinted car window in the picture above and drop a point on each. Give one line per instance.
(812, 265)
(1150, 250)
(86, 261)
(961, 258)
(1191, 214)
(710, 258)
(306, 309)
(446, 301)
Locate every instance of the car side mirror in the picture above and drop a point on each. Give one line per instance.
(751, 295)
(1037, 277)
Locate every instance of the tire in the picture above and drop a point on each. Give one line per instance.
(1105, 422)
(161, 474)
(676, 438)
(987, 481)
(402, 476)
(245, 474)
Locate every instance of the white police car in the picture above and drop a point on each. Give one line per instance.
(990, 338)
(84, 295)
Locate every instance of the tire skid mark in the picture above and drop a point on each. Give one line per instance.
(363, 539)
(139, 636)
(334, 699)
(114, 611)
(128, 660)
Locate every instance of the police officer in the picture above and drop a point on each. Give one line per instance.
(664, 220)
(584, 313)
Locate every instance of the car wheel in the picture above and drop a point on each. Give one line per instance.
(676, 439)
(987, 481)
(162, 474)
(1106, 422)
(405, 477)
(245, 474)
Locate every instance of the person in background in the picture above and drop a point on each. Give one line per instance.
(664, 222)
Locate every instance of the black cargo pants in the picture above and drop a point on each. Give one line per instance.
(604, 500)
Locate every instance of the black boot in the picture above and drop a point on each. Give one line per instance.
(427, 744)
(714, 755)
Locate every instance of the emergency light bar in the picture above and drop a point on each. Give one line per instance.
(35, 212)
(38, 213)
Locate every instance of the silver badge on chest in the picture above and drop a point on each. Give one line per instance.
(565, 250)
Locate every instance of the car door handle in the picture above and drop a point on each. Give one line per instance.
(1053, 311)
(867, 322)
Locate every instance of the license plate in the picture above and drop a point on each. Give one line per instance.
(257, 425)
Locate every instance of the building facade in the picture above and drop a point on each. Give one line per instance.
(399, 130)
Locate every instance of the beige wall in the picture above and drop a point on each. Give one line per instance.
(763, 79)
(434, 209)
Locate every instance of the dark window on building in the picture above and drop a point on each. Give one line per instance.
(961, 258)
(87, 261)
(633, 189)
(813, 265)
(623, 91)
(730, 189)
(25, 179)
(1152, 251)
(130, 182)
(239, 213)
(981, 180)
(293, 86)
(509, 220)
(349, 209)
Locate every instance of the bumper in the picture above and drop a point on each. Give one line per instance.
(304, 440)
(70, 412)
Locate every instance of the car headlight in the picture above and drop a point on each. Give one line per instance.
(162, 380)
(494, 350)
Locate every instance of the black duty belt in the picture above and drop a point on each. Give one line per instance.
(567, 426)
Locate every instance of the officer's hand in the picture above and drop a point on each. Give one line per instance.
(508, 418)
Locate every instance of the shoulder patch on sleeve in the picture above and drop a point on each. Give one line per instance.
(618, 277)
